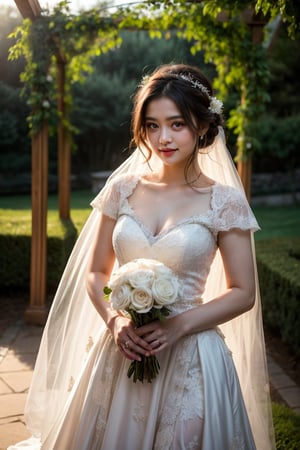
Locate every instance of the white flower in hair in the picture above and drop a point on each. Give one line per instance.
(216, 105)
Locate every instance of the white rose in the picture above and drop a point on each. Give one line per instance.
(165, 289)
(46, 104)
(120, 296)
(123, 271)
(141, 278)
(141, 300)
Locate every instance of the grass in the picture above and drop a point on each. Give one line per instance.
(275, 221)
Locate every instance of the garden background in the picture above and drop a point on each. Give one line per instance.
(101, 119)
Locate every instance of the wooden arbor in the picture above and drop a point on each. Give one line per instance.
(37, 310)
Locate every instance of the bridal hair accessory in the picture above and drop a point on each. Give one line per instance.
(216, 105)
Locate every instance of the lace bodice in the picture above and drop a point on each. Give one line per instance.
(187, 247)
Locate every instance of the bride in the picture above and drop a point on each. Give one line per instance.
(176, 200)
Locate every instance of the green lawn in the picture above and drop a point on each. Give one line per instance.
(277, 221)
(281, 221)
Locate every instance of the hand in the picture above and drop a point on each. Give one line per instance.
(130, 344)
(160, 334)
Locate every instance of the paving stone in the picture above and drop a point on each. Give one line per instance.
(291, 395)
(16, 362)
(4, 388)
(12, 433)
(14, 419)
(12, 405)
(17, 381)
(273, 367)
(281, 380)
(27, 344)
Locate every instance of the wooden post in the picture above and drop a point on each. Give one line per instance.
(37, 310)
(245, 173)
(245, 167)
(64, 152)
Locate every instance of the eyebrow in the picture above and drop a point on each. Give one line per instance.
(168, 118)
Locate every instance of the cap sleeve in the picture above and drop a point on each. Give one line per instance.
(111, 197)
(232, 210)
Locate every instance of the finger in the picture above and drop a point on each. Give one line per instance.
(141, 343)
(147, 329)
(158, 348)
(129, 352)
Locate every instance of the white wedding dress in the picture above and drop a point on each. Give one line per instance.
(81, 398)
(197, 377)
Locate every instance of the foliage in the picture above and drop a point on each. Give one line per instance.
(227, 32)
(284, 85)
(59, 38)
(286, 427)
(102, 107)
(221, 28)
(289, 10)
(278, 269)
(278, 142)
(13, 132)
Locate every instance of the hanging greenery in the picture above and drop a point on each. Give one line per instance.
(222, 28)
(59, 37)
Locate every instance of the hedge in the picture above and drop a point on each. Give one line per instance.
(286, 427)
(278, 262)
(15, 249)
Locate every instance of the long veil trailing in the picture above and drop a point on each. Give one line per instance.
(74, 326)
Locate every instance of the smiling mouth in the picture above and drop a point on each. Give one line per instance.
(168, 151)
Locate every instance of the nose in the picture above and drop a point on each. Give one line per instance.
(165, 135)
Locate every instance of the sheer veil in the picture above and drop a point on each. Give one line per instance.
(74, 326)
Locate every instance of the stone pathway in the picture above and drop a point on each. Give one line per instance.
(18, 350)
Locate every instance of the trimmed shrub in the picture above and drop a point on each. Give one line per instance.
(279, 269)
(286, 427)
(15, 249)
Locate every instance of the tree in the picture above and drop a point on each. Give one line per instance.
(102, 104)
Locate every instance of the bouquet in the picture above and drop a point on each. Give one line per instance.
(143, 288)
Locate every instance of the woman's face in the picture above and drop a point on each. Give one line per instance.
(167, 133)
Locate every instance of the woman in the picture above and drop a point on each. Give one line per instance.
(176, 200)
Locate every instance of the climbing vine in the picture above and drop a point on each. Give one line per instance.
(73, 40)
(222, 28)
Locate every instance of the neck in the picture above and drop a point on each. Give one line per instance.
(176, 176)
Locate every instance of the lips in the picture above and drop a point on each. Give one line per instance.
(167, 151)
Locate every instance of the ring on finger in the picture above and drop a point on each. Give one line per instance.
(126, 344)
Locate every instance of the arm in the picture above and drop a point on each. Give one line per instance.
(236, 252)
(99, 269)
(98, 272)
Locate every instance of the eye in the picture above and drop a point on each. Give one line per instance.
(178, 124)
(151, 125)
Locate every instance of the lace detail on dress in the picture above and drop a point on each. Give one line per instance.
(192, 404)
(114, 194)
(231, 210)
(172, 404)
(104, 382)
(139, 412)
